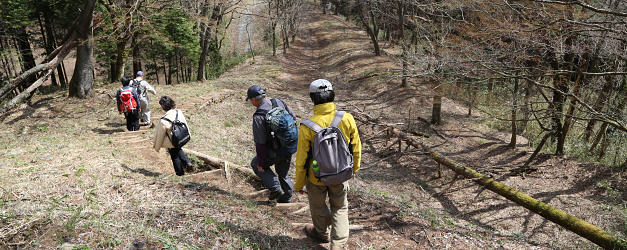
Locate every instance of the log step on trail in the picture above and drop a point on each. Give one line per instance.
(301, 208)
(288, 206)
(206, 175)
(350, 227)
(262, 193)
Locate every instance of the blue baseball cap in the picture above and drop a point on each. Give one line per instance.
(254, 92)
(140, 73)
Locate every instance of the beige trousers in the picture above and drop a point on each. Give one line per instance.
(334, 219)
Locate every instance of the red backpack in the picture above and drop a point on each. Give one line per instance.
(128, 102)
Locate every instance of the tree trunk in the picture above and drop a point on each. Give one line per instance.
(250, 44)
(597, 139)
(156, 71)
(437, 106)
(83, 77)
(472, 98)
(52, 43)
(490, 85)
(47, 44)
(557, 112)
(598, 105)
(372, 31)
(571, 108)
(170, 69)
(605, 143)
(26, 54)
(120, 58)
(137, 61)
(204, 48)
(401, 24)
(9, 71)
(525, 109)
(512, 141)
(273, 38)
(178, 66)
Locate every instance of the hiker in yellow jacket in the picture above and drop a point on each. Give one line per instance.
(333, 220)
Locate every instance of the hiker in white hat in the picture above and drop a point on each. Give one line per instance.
(142, 88)
(328, 155)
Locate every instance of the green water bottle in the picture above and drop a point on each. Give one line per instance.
(314, 166)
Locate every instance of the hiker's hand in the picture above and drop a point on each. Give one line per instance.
(301, 192)
(260, 168)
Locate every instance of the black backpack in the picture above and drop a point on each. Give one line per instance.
(179, 134)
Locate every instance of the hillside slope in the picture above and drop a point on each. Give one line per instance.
(72, 177)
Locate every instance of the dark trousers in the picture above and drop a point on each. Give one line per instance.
(178, 159)
(274, 182)
(132, 121)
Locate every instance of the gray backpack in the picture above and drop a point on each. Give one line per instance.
(138, 87)
(331, 152)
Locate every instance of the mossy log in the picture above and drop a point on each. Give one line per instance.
(572, 223)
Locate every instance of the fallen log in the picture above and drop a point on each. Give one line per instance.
(216, 162)
(26, 93)
(49, 67)
(38, 68)
(572, 223)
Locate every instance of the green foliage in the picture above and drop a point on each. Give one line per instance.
(16, 14)
(175, 32)
(218, 66)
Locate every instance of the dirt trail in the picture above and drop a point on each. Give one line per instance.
(65, 167)
(398, 222)
(338, 51)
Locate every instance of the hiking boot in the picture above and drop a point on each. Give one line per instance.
(275, 194)
(285, 198)
(312, 233)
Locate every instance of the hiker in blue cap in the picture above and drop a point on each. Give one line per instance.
(273, 145)
(142, 88)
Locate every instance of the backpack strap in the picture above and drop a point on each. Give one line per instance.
(274, 103)
(176, 118)
(338, 118)
(312, 125)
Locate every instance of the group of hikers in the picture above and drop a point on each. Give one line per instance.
(133, 101)
(328, 154)
(327, 147)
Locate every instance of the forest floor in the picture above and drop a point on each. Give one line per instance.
(73, 177)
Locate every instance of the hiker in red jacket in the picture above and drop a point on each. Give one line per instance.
(128, 103)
